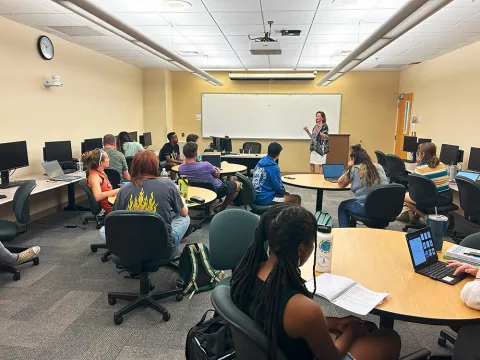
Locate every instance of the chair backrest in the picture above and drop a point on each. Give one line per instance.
(137, 237)
(21, 201)
(471, 241)
(381, 159)
(395, 165)
(231, 233)
(95, 206)
(205, 184)
(254, 147)
(248, 336)
(129, 162)
(248, 192)
(469, 194)
(422, 190)
(385, 202)
(114, 176)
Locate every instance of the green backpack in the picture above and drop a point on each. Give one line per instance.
(196, 272)
(323, 218)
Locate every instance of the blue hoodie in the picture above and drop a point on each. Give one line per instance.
(267, 181)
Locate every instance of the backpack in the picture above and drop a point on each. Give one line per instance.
(209, 340)
(196, 272)
(323, 218)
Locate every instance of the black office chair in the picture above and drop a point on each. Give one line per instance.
(253, 147)
(129, 162)
(423, 191)
(249, 195)
(138, 241)
(382, 206)
(469, 195)
(9, 230)
(382, 160)
(396, 170)
(114, 177)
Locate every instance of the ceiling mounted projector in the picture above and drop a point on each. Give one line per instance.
(265, 48)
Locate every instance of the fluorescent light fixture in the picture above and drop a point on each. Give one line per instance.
(326, 83)
(269, 75)
(291, 69)
(336, 76)
(150, 50)
(176, 5)
(181, 66)
(408, 16)
(199, 76)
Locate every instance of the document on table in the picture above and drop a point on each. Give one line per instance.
(346, 293)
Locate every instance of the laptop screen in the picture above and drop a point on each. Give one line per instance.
(469, 175)
(53, 169)
(420, 245)
(333, 170)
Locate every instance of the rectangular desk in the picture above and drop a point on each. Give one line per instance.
(410, 167)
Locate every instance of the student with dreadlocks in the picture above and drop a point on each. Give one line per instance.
(363, 174)
(270, 289)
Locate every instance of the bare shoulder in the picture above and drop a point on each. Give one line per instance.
(301, 313)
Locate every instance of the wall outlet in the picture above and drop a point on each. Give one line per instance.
(198, 117)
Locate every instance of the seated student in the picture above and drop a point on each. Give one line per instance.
(203, 170)
(127, 146)
(13, 259)
(117, 159)
(363, 174)
(267, 180)
(169, 155)
(96, 161)
(270, 289)
(193, 138)
(148, 191)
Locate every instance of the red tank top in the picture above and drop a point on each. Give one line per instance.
(104, 186)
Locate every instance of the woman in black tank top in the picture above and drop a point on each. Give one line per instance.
(270, 289)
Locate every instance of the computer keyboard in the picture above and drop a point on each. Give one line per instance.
(438, 270)
(12, 184)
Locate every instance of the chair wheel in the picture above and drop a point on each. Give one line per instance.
(442, 341)
(104, 258)
(16, 276)
(85, 222)
(179, 297)
(112, 301)
(117, 319)
(93, 249)
(36, 261)
(166, 316)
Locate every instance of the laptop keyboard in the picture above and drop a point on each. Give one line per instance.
(437, 270)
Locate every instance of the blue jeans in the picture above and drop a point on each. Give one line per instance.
(346, 207)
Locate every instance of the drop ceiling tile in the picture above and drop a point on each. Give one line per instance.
(291, 39)
(464, 4)
(241, 46)
(391, 4)
(466, 27)
(432, 26)
(254, 30)
(475, 17)
(403, 59)
(232, 5)
(185, 47)
(237, 17)
(369, 27)
(108, 47)
(388, 53)
(379, 15)
(308, 62)
(50, 20)
(333, 38)
(157, 30)
(220, 53)
(24, 7)
(225, 62)
(189, 18)
(53, 6)
(49, 30)
(79, 19)
(453, 37)
(321, 53)
(415, 36)
(199, 30)
(420, 50)
(169, 40)
(288, 5)
(339, 16)
(333, 28)
(348, 5)
(92, 40)
(400, 45)
(282, 63)
(292, 46)
(207, 39)
(145, 19)
(220, 47)
(331, 46)
(123, 54)
(130, 6)
(452, 14)
(289, 17)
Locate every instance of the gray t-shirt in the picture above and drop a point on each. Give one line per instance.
(156, 195)
(117, 160)
(359, 184)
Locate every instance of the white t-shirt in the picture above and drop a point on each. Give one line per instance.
(471, 293)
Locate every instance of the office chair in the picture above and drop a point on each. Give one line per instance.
(396, 170)
(382, 206)
(382, 160)
(248, 336)
(249, 195)
(138, 241)
(114, 177)
(129, 162)
(9, 229)
(469, 195)
(231, 233)
(254, 147)
(423, 191)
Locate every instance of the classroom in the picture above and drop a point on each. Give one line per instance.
(239, 179)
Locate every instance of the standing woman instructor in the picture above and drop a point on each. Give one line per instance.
(319, 143)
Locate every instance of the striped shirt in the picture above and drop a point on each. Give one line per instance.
(439, 175)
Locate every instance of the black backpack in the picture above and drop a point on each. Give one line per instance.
(209, 340)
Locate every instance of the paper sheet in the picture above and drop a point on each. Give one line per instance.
(360, 300)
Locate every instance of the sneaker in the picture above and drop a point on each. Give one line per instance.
(27, 255)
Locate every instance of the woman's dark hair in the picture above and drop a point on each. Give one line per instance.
(122, 138)
(324, 117)
(144, 165)
(286, 226)
(429, 151)
(367, 169)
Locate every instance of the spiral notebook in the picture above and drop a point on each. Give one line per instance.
(346, 293)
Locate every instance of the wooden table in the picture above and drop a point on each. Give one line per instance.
(410, 167)
(380, 260)
(248, 160)
(208, 195)
(226, 169)
(313, 181)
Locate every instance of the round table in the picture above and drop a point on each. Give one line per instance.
(208, 195)
(313, 181)
(226, 169)
(380, 260)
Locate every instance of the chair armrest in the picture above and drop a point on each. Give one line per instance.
(422, 354)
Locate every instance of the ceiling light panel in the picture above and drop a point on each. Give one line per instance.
(187, 18)
(289, 17)
(339, 16)
(232, 5)
(24, 7)
(288, 5)
(145, 19)
(238, 18)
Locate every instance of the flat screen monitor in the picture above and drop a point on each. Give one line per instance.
(216, 143)
(474, 160)
(410, 144)
(92, 144)
(146, 139)
(226, 145)
(423, 141)
(133, 135)
(449, 154)
(58, 150)
(13, 155)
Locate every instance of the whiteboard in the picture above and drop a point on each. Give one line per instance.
(267, 116)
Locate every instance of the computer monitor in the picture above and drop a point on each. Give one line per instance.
(226, 145)
(216, 143)
(133, 135)
(449, 154)
(410, 144)
(92, 144)
(13, 155)
(58, 150)
(146, 139)
(474, 160)
(423, 141)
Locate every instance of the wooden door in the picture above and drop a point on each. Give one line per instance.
(404, 116)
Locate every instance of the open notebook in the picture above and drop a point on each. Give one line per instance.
(346, 293)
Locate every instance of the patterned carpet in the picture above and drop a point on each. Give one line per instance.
(59, 309)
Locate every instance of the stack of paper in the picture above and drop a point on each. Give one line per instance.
(463, 254)
(346, 293)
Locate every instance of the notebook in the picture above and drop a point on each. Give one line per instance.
(463, 254)
(346, 293)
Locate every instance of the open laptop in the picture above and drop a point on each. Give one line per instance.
(332, 172)
(469, 174)
(54, 172)
(425, 260)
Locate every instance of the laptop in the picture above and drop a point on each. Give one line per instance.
(54, 172)
(215, 160)
(469, 175)
(332, 172)
(425, 260)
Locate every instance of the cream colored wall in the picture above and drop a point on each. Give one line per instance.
(445, 96)
(369, 105)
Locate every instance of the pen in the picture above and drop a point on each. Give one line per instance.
(473, 254)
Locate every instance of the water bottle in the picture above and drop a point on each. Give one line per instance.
(183, 187)
(323, 262)
(164, 173)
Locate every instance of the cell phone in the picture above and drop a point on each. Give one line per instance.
(197, 200)
(289, 177)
